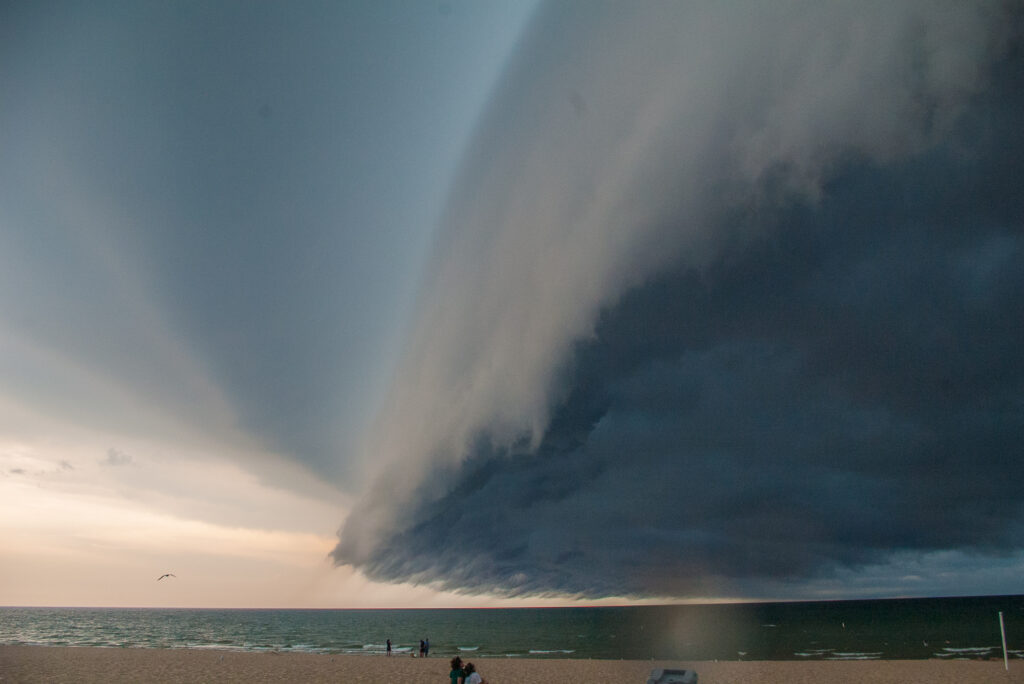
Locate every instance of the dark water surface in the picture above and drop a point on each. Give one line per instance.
(878, 629)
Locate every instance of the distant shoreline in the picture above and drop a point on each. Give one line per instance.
(96, 664)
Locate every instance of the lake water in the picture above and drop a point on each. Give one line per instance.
(879, 629)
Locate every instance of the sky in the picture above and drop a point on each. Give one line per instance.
(492, 303)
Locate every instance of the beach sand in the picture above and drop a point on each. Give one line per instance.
(57, 664)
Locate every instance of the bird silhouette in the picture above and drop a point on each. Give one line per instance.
(165, 575)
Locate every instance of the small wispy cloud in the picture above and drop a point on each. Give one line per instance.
(114, 458)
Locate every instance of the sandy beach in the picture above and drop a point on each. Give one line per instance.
(57, 664)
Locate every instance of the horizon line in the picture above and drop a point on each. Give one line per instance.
(686, 602)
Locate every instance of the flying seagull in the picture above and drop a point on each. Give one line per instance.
(165, 575)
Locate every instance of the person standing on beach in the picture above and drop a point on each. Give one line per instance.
(422, 648)
(389, 646)
(457, 675)
(472, 676)
(426, 647)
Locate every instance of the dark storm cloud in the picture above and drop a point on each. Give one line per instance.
(848, 387)
(839, 384)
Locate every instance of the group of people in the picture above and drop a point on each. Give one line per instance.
(464, 673)
(461, 673)
(424, 647)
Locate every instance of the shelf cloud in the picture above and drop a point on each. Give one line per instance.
(725, 296)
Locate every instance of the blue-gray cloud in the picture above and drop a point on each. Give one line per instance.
(728, 300)
(220, 210)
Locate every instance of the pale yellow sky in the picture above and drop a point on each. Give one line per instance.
(94, 526)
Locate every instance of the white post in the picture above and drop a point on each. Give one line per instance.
(1002, 630)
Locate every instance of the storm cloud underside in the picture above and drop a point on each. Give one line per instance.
(727, 298)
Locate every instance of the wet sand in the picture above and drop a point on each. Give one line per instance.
(58, 664)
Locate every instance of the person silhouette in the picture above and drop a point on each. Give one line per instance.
(457, 675)
(472, 676)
